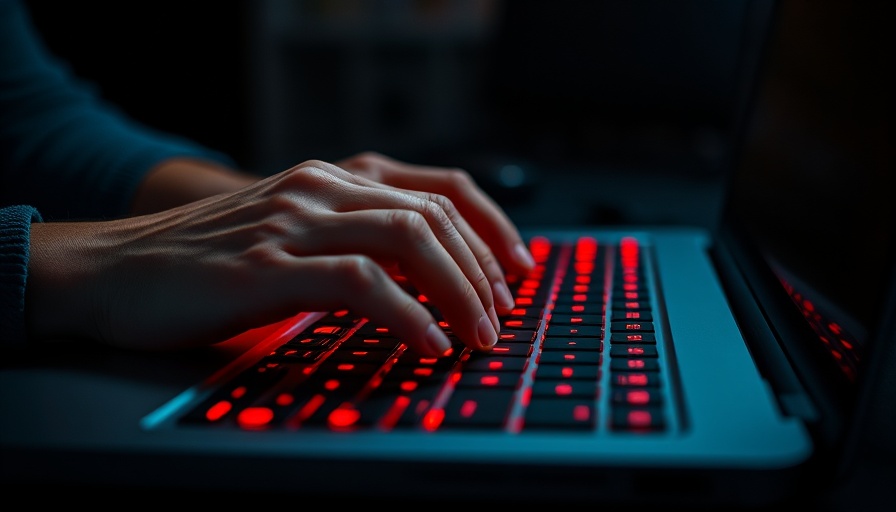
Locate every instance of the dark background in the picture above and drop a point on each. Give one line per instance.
(631, 103)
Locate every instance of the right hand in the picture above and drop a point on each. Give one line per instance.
(312, 238)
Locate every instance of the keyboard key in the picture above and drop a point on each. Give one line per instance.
(634, 363)
(565, 413)
(496, 364)
(488, 380)
(594, 344)
(568, 371)
(639, 337)
(569, 357)
(591, 331)
(631, 326)
(478, 408)
(633, 350)
(638, 418)
(564, 388)
(635, 379)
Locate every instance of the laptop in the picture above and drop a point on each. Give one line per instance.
(742, 366)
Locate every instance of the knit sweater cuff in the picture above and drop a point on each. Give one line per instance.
(15, 242)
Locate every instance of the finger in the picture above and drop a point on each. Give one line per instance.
(503, 301)
(475, 261)
(404, 236)
(361, 285)
(498, 295)
(483, 214)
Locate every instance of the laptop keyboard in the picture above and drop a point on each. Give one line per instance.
(579, 352)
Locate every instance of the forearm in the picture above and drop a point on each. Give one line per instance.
(178, 181)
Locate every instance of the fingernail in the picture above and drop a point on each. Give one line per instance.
(502, 295)
(524, 256)
(487, 335)
(437, 339)
(493, 316)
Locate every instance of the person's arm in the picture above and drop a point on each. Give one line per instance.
(178, 181)
(312, 238)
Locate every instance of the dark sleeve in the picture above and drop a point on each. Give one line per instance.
(15, 230)
(62, 149)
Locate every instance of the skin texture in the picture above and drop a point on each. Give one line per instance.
(212, 252)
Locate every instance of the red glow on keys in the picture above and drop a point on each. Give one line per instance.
(489, 380)
(634, 337)
(422, 298)
(563, 389)
(468, 408)
(238, 392)
(583, 267)
(327, 329)
(567, 371)
(382, 330)
(217, 411)
(633, 315)
(331, 384)
(635, 351)
(635, 363)
(341, 313)
(495, 365)
(639, 397)
(396, 410)
(524, 301)
(518, 312)
(586, 247)
(423, 372)
(255, 417)
(513, 323)
(284, 399)
(345, 367)
(581, 413)
(575, 320)
(578, 308)
(629, 250)
(580, 288)
(343, 416)
(583, 279)
(530, 283)
(433, 419)
(443, 324)
(639, 418)
(507, 336)
(540, 247)
(835, 328)
(580, 297)
(408, 386)
(498, 350)
(526, 292)
(632, 379)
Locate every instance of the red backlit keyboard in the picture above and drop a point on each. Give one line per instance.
(578, 352)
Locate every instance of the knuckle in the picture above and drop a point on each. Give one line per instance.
(360, 273)
(459, 179)
(409, 222)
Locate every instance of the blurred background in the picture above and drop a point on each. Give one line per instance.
(598, 112)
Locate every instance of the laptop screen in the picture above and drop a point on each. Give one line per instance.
(814, 184)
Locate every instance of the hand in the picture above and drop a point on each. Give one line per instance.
(485, 217)
(312, 238)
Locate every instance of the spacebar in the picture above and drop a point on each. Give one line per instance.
(478, 408)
